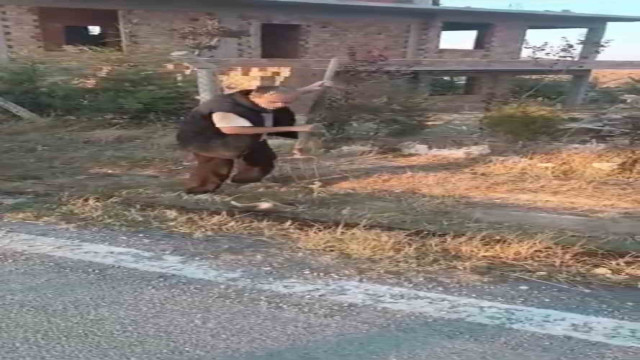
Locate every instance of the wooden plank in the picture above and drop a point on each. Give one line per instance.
(18, 110)
(304, 138)
(331, 70)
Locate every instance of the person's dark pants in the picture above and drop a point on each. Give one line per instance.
(253, 161)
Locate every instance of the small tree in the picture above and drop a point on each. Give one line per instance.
(562, 54)
(204, 37)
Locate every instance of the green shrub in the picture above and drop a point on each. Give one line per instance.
(539, 88)
(446, 86)
(371, 102)
(128, 91)
(604, 96)
(632, 88)
(142, 94)
(41, 89)
(524, 121)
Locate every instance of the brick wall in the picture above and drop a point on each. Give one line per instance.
(328, 38)
(320, 37)
(21, 28)
(155, 31)
(507, 40)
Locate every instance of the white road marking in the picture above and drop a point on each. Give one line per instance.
(610, 331)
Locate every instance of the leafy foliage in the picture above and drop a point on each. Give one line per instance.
(524, 121)
(205, 35)
(128, 91)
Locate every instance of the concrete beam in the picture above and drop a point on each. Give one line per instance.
(4, 49)
(578, 90)
(535, 66)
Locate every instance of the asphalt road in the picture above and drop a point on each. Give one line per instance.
(112, 295)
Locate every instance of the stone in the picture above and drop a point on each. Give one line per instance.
(601, 271)
(606, 166)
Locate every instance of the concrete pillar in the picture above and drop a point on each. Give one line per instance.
(495, 88)
(4, 49)
(413, 40)
(124, 31)
(207, 84)
(592, 42)
(578, 90)
(424, 82)
(432, 38)
(255, 33)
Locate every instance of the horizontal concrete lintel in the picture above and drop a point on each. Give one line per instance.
(550, 66)
(336, 8)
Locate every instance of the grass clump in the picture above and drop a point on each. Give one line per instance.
(524, 121)
(122, 90)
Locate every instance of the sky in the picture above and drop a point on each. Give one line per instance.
(625, 36)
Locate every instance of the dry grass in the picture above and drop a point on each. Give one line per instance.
(511, 189)
(536, 255)
(613, 78)
(573, 164)
(559, 180)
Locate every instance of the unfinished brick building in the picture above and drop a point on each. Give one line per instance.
(306, 33)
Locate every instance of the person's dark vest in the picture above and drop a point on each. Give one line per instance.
(198, 126)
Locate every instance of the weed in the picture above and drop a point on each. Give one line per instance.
(524, 121)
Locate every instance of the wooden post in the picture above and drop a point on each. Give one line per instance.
(305, 137)
(207, 84)
(18, 110)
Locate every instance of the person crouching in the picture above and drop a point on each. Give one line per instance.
(230, 131)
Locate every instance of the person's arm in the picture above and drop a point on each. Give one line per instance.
(232, 124)
(253, 130)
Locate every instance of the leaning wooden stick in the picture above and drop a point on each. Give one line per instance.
(304, 138)
(18, 110)
(331, 70)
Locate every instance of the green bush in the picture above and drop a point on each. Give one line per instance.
(524, 121)
(128, 91)
(41, 89)
(539, 88)
(446, 86)
(632, 88)
(604, 96)
(142, 94)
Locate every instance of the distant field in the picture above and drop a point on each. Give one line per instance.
(609, 78)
